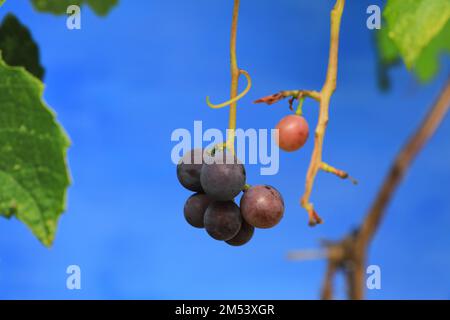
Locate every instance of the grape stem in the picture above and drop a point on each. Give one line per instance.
(235, 73)
(327, 91)
(323, 97)
(294, 94)
(299, 111)
(339, 173)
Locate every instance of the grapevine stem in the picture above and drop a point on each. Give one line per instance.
(325, 96)
(234, 77)
(299, 111)
(235, 73)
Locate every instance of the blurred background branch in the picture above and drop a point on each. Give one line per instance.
(349, 254)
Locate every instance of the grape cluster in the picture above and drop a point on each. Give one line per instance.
(217, 179)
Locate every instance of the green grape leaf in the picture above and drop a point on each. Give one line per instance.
(33, 172)
(427, 64)
(417, 31)
(388, 56)
(18, 47)
(412, 25)
(59, 7)
(2, 2)
(387, 50)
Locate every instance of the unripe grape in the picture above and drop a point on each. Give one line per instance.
(262, 206)
(293, 132)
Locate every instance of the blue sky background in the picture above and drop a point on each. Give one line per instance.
(123, 83)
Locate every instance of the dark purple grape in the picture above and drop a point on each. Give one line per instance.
(244, 235)
(195, 208)
(223, 220)
(262, 206)
(189, 169)
(222, 176)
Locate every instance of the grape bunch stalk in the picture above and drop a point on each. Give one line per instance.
(217, 178)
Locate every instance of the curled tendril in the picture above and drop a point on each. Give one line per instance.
(239, 97)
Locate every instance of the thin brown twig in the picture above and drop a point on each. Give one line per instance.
(307, 255)
(293, 94)
(328, 283)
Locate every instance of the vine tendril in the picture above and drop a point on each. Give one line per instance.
(237, 98)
